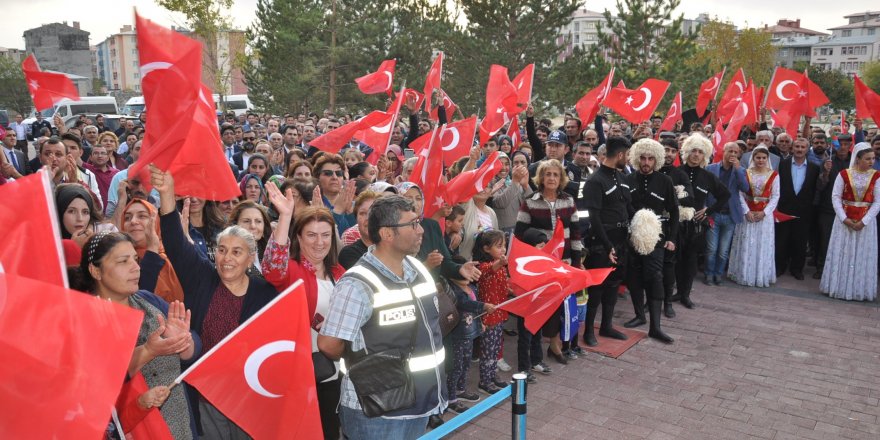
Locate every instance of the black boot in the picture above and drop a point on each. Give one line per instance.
(638, 299)
(686, 301)
(668, 310)
(589, 332)
(605, 329)
(655, 331)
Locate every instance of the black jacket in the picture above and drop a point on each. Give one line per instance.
(800, 204)
(705, 183)
(656, 192)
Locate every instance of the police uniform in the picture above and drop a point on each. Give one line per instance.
(692, 241)
(609, 207)
(656, 192)
(684, 194)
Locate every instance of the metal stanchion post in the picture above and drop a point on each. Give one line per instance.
(518, 412)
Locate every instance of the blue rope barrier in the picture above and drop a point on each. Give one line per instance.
(459, 420)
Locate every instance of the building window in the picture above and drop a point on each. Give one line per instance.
(871, 31)
(783, 52)
(577, 38)
(577, 26)
(134, 64)
(847, 33)
(831, 51)
(136, 75)
(115, 75)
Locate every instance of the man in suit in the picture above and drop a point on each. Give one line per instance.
(798, 183)
(15, 164)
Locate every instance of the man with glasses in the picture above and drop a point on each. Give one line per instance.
(248, 142)
(368, 315)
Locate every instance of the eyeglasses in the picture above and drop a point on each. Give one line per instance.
(330, 173)
(414, 224)
(249, 138)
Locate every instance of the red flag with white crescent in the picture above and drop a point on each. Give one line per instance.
(46, 88)
(708, 91)
(556, 245)
(514, 134)
(467, 184)
(448, 105)
(456, 139)
(379, 81)
(588, 106)
(639, 104)
(867, 101)
(524, 82)
(428, 173)
(432, 81)
(261, 374)
(673, 115)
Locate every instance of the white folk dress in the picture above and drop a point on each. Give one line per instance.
(752, 255)
(851, 262)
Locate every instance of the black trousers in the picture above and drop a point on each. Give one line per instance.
(826, 222)
(645, 275)
(605, 294)
(791, 245)
(528, 347)
(691, 242)
(328, 400)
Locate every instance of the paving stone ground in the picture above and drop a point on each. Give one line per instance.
(777, 363)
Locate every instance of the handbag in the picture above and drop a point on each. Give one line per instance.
(324, 367)
(382, 380)
(448, 305)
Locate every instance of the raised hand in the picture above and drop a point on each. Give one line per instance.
(284, 203)
(343, 202)
(156, 345)
(470, 272)
(152, 238)
(434, 259)
(179, 319)
(317, 199)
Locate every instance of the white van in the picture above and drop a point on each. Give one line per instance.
(134, 106)
(68, 108)
(238, 104)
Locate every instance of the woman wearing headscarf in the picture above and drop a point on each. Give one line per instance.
(513, 187)
(850, 265)
(138, 218)
(752, 255)
(77, 213)
(252, 188)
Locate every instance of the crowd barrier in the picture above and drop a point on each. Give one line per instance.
(517, 393)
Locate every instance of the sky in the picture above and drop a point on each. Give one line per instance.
(103, 18)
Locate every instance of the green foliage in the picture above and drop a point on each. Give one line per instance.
(645, 41)
(836, 85)
(870, 75)
(14, 94)
(749, 49)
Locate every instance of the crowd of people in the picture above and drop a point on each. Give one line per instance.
(390, 290)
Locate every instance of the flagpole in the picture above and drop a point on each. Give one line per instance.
(767, 92)
(235, 332)
(529, 293)
(394, 120)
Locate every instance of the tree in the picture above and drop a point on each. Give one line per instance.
(207, 19)
(870, 75)
(568, 80)
(645, 41)
(14, 94)
(836, 85)
(749, 49)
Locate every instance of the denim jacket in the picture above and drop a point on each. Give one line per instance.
(469, 327)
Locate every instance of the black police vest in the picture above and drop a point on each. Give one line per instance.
(397, 310)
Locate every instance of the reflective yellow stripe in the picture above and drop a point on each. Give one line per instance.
(427, 362)
(382, 296)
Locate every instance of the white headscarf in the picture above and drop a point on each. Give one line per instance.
(854, 154)
(766, 151)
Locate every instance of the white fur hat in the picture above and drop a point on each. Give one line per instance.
(697, 141)
(647, 147)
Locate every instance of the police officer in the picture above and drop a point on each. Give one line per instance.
(684, 194)
(556, 148)
(654, 191)
(695, 151)
(608, 203)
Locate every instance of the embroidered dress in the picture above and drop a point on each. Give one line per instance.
(851, 263)
(752, 255)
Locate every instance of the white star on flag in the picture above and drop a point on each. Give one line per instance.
(561, 270)
(438, 202)
(629, 99)
(801, 93)
(34, 84)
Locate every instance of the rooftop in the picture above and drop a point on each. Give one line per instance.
(874, 22)
(798, 41)
(860, 14)
(790, 26)
(837, 41)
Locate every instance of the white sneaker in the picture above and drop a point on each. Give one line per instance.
(503, 365)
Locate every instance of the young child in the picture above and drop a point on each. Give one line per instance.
(529, 355)
(461, 341)
(490, 252)
(454, 227)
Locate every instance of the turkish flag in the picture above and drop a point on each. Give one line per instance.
(708, 91)
(718, 142)
(137, 422)
(524, 82)
(541, 281)
(65, 354)
(334, 140)
(407, 93)
(780, 217)
(588, 106)
(637, 105)
(514, 134)
(432, 81)
(31, 246)
(736, 87)
(428, 172)
(183, 137)
(448, 106)
(501, 103)
(455, 138)
(794, 92)
(867, 101)
(556, 245)
(787, 121)
(46, 88)
(377, 134)
(673, 115)
(261, 375)
(746, 100)
(378, 81)
(465, 185)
